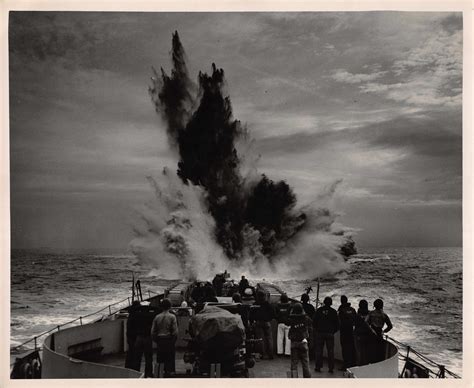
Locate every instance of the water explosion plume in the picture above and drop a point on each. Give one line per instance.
(251, 225)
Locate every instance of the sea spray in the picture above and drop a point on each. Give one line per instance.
(176, 232)
(217, 212)
(175, 238)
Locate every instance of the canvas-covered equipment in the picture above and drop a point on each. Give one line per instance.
(216, 328)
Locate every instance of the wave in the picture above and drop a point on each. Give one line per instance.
(367, 258)
(406, 290)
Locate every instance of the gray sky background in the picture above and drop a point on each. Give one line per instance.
(373, 99)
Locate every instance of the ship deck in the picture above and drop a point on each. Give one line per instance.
(279, 367)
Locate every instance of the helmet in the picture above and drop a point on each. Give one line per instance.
(248, 291)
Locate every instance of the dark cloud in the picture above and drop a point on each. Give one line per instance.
(422, 137)
(453, 22)
(45, 35)
(401, 159)
(425, 136)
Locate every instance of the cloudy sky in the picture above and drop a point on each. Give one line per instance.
(372, 98)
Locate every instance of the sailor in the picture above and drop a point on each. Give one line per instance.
(229, 288)
(218, 283)
(307, 306)
(299, 333)
(184, 310)
(236, 298)
(325, 325)
(197, 293)
(210, 294)
(347, 316)
(164, 332)
(362, 333)
(261, 314)
(282, 314)
(243, 309)
(309, 310)
(248, 294)
(377, 319)
(139, 323)
(243, 284)
(131, 334)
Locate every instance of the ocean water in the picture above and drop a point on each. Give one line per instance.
(421, 289)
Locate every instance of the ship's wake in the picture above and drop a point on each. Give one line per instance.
(216, 212)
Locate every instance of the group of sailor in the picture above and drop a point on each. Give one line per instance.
(144, 325)
(302, 330)
(361, 332)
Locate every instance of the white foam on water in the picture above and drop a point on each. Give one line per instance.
(367, 258)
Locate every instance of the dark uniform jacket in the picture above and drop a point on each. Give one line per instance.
(309, 309)
(139, 322)
(347, 316)
(261, 311)
(244, 283)
(283, 312)
(325, 320)
(300, 327)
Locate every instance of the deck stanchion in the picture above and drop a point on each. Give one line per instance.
(59, 327)
(442, 372)
(80, 320)
(406, 359)
(35, 344)
(317, 295)
(110, 311)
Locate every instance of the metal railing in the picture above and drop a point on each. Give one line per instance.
(441, 372)
(80, 319)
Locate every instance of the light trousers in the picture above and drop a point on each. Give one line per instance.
(283, 342)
